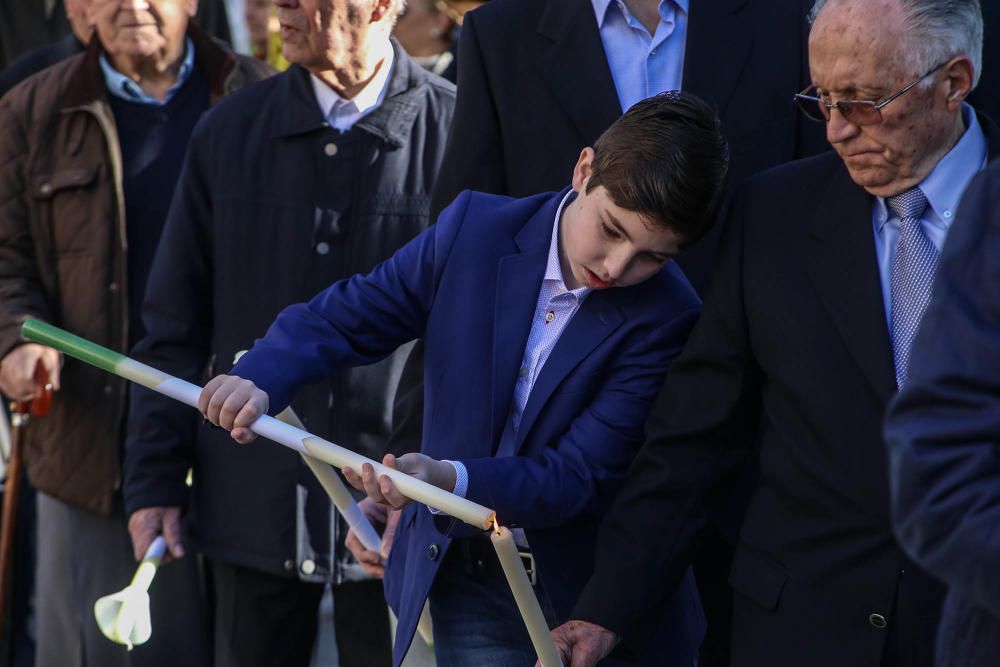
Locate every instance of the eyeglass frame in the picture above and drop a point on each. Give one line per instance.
(801, 97)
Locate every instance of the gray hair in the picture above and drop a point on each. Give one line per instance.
(940, 30)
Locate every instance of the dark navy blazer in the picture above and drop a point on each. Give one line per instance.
(943, 433)
(469, 286)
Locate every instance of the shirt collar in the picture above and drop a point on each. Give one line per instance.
(125, 88)
(368, 98)
(601, 8)
(944, 186)
(553, 268)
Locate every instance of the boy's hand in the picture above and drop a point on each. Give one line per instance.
(381, 489)
(372, 562)
(233, 403)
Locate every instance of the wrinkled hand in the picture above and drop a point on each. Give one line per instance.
(145, 524)
(233, 403)
(17, 370)
(583, 644)
(374, 563)
(381, 489)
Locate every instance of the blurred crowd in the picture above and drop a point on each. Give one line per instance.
(176, 173)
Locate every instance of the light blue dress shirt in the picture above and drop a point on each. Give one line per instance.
(121, 86)
(555, 307)
(643, 65)
(943, 188)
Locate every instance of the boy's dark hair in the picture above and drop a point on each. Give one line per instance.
(666, 160)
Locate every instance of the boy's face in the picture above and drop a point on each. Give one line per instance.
(602, 245)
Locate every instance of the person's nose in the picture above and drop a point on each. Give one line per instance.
(135, 5)
(616, 264)
(838, 128)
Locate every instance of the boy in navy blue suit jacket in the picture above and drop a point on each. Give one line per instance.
(538, 375)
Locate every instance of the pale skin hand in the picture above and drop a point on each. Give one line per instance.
(17, 370)
(233, 403)
(145, 524)
(374, 563)
(381, 489)
(582, 644)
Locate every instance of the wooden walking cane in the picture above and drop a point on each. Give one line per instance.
(20, 411)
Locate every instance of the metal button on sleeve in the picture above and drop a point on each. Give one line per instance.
(877, 620)
(433, 551)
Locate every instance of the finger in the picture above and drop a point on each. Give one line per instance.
(235, 400)
(243, 435)
(391, 494)
(389, 534)
(172, 533)
(205, 397)
(52, 362)
(250, 412)
(141, 533)
(371, 485)
(390, 461)
(354, 479)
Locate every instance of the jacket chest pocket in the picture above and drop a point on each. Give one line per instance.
(72, 209)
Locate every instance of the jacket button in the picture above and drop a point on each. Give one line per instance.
(330, 149)
(46, 189)
(322, 247)
(308, 566)
(433, 551)
(288, 564)
(113, 287)
(107, 389)
(877, 620)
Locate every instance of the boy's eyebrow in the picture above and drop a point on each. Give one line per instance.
(617, 225)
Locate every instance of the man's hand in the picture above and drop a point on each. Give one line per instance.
(379, 515)
(145, 524)
(17, 370)
(233, 403)
(583, 644)
(381, 489)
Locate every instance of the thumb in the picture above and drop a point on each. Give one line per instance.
(52, 362)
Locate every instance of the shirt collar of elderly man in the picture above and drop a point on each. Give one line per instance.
(864, 56)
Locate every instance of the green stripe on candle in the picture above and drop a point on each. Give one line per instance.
(92, 353)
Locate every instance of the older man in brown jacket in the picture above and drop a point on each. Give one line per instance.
(90, 151)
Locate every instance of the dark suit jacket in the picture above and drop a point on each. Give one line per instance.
(943, 433)
(469, 286)
(535, 89)
(793, 350)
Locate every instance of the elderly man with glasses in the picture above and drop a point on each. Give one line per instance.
(825, 270)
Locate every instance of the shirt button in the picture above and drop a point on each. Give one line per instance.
(877, 620)
(330, 149)
(549, 316)
(433, 551)
(288, 564)
(653, 52)
(322, 247)
(308, 566)
(947, 214)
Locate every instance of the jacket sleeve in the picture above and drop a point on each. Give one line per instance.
(589, 461)
(700, 429)
(356, 321)
(21, 291)
(177, 313)
(943, 430)
(474, 157)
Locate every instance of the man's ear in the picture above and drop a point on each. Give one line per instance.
(582, 170)
(959, 74)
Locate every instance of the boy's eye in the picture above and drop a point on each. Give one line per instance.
(609, 231)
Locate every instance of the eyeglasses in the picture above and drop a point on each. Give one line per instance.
(855, 112)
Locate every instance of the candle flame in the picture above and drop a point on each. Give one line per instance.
(496, 525)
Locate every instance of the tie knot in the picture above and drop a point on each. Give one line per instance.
(908, 204)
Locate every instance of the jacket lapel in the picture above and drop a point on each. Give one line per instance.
(597, 318)
(573, 64)
(519, 278)
(844, 269)
(718, 43)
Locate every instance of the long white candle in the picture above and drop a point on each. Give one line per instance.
(337, 490)
(527, 603)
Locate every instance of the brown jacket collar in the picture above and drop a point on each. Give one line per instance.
(87, 82)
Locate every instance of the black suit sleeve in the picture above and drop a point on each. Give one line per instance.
(943, 430)
(702, 426)
(474, 157)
